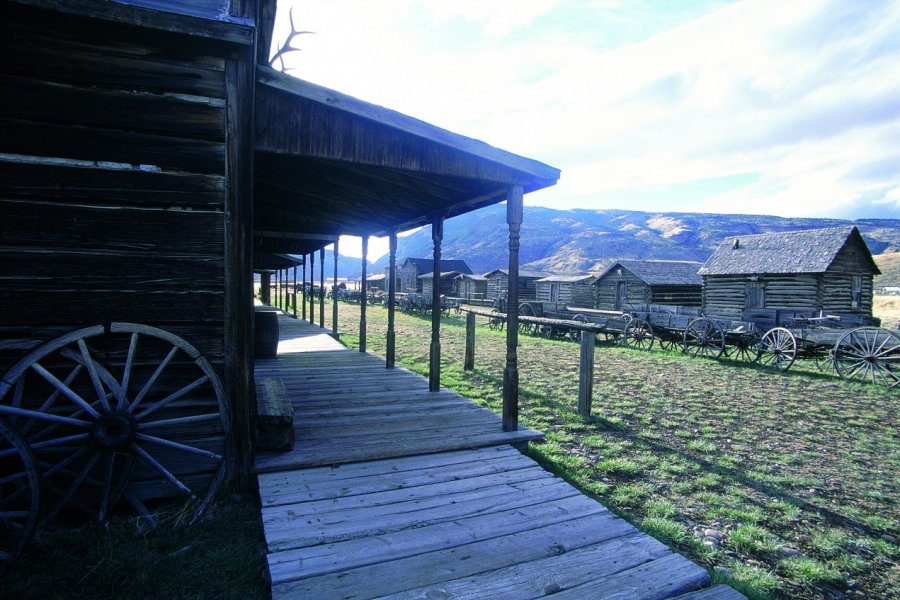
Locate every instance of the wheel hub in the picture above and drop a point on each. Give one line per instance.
(114, 430)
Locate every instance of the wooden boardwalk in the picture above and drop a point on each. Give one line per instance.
(380, 498)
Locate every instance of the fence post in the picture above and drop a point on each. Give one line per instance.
(586, 374)
(469, 363)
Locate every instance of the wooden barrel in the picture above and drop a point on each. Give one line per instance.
(265, 334)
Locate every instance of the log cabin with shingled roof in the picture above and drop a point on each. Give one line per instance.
(628, 283)
(498, 284)
(566, 290)
(772, 276)
(146, 146)
(411, 269)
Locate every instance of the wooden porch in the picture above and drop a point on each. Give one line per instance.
(396, 491)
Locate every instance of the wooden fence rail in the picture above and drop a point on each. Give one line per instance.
(586, 362)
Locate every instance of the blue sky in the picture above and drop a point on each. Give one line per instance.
(777, 107)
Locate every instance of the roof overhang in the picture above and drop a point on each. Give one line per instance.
(329, 163)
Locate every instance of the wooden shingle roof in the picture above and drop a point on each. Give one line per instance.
(567, 278)
(522, 273)
(661, 272)
(426, 265)
(806, 251)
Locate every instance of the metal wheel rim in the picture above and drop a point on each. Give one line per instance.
(703, 337)
(869, 354)
(778, 349)
(639, 334)
(20, 496)
(103, 417)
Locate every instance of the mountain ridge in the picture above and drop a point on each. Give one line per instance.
(582, 240)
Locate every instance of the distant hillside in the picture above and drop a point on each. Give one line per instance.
(582, 240)
(890, 270)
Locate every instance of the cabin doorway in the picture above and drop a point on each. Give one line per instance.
(756, 294)
(621, 292)
(554, 292)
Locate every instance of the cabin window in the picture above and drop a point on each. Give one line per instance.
(755, 294)
(554, 292)
(857, 292)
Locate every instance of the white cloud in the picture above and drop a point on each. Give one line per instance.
(804, 93)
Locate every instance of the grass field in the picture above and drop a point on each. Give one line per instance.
(785, 485)
(887, 308)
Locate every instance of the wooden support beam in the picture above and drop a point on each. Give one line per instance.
(294, 292)
(239, 313)
(334, 295)
(511, 372)
(303, 289)
(312, 288)
(265, 283)
(322, 287)
(586, 374)
(390, 360)
(363, 299)
(469, 362)
(434, 365)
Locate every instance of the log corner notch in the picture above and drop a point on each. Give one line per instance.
(511, 372)
(434, 364)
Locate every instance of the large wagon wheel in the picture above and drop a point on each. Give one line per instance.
(496, 320)
(120, 409)
(526, 310)
(745, 347)
(19, 494)
(869, 354)
(575, 334)
(638, 334)
(778, 348)
(703, 337)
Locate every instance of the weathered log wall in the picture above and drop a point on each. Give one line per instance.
(571, 293)
(111, 181)
(498, 283)
(636, 291)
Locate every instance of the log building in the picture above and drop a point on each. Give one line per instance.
(149, 155)
(811, 271)
(409, 271)
(498, 284)
(566, 290)
(630, 283)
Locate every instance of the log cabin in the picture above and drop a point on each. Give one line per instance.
(629, 283)
(446, 286)
(498, 284)
(770, 277)
(411, 269)
(470, 287)
(150, 158)
(566, 290)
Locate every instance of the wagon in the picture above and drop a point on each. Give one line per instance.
(867, 353)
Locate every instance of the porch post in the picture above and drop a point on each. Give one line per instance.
(312, 285)
(334, 292)
(392, 297)
(322, 287)
(511, 372)
(434, 366)
(265, 282)
(294, 293)
(362, 296)
(303, 289)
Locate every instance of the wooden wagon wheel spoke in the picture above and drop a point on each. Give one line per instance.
(119, 382)
(704, 336)
(868, 354)
(639, 334)
(19, 495)
(147, 386)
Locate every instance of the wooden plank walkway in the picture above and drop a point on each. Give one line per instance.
(348, 407)
(426, 520)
